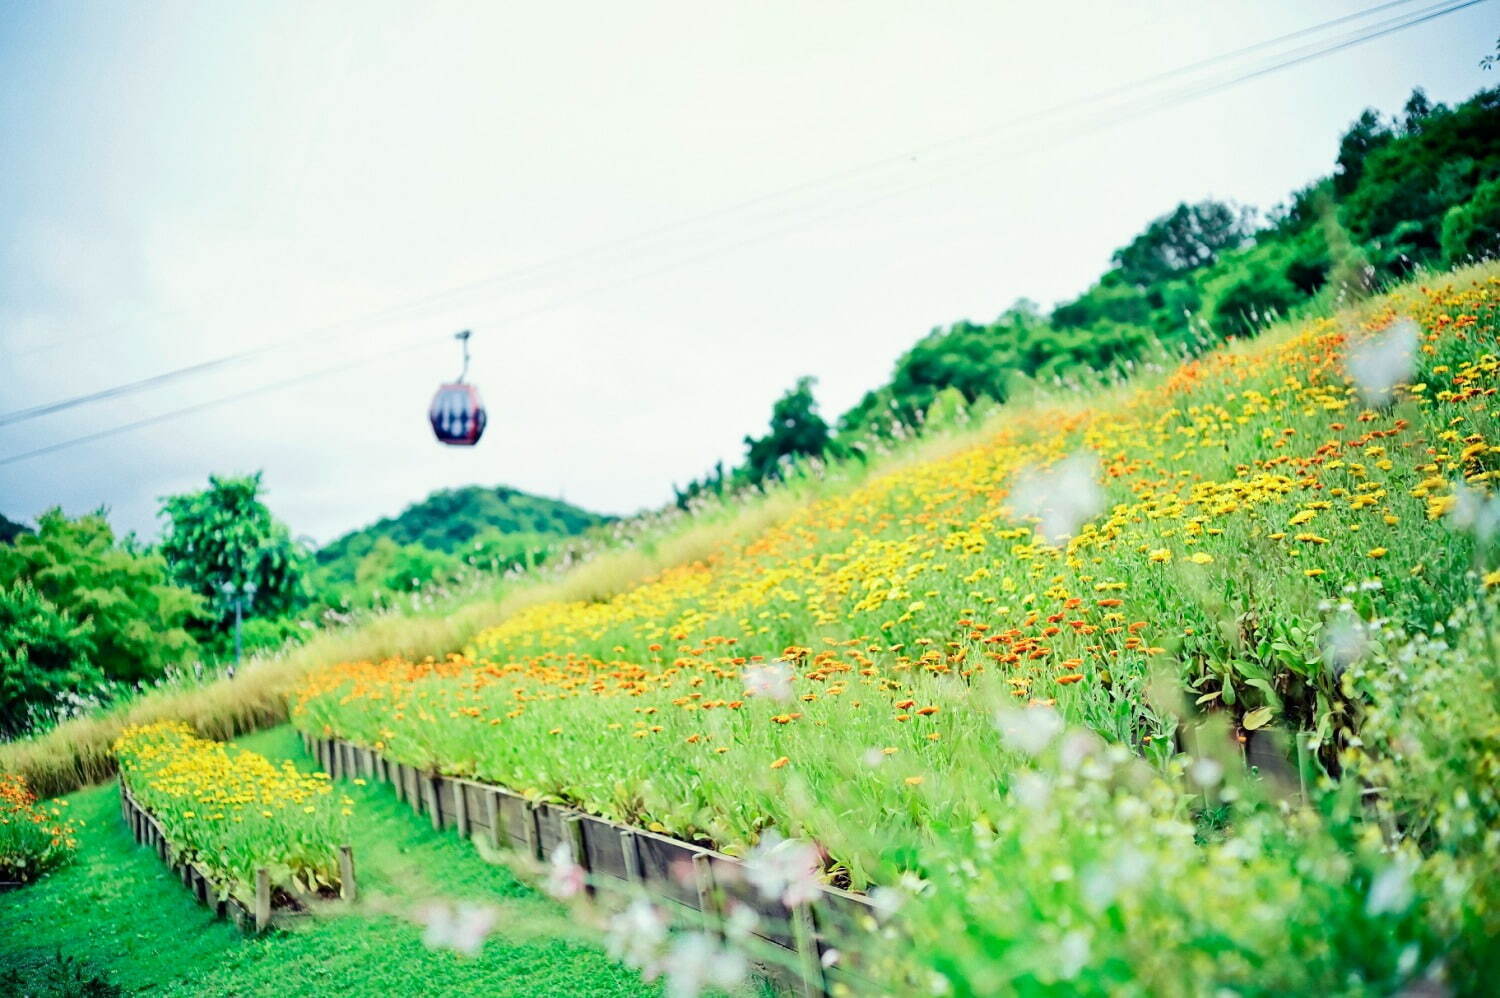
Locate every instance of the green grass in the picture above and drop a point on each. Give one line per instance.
(120, 911)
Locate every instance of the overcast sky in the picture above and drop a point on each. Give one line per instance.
(654, 217)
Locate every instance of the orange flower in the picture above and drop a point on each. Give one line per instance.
(780, 762)
(927, 711)
(1072, 677)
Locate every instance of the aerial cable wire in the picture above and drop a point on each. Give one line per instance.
(443, 298)
(1104, 119)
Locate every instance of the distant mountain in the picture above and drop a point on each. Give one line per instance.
(10, 528)
(451, 519)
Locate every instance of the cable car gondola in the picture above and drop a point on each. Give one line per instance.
(456, 414)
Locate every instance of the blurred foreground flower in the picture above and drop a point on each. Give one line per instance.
(1379, 363)
(636, 936)
(1061, 497)
(462, 928)
(565, 878)
(784, 869)
(1030, 730)
(773, 680)
(697, 960)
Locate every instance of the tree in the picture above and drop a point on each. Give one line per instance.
(1189, 237)
(138, 617)
(44, 654)
(224, 538)
(1367, 134)
(796, 430)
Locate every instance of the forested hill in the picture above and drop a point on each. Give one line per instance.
(450, 519)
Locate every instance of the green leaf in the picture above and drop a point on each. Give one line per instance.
(1257, 718)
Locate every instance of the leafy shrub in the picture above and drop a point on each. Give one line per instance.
(34, 837)
(1473, 229)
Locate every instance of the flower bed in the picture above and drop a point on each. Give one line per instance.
(34, 837)
(232, 812)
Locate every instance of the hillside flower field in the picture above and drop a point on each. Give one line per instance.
(1182, 684)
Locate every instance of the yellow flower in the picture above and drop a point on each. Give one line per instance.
(1377, 552)
(1160, 555)
(1201, 558)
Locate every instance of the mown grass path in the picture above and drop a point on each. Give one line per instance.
(120, 910)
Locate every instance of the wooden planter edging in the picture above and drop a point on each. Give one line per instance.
(688, 875)
(251, 916)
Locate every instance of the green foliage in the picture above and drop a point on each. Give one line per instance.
(44, 654)
(1473, 229)
(224, 536)
(78, 607)
(1411, 178)
(1250, 291)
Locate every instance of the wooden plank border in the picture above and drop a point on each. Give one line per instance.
(690, 875)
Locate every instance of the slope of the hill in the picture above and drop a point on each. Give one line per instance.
(1230, 559)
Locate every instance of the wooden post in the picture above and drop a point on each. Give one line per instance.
(572, 833)
(533, 830)
(460, 808)
(262, 899)
(492, 813)
(347, 889)
(632, 858)
(809, 965)
(431, 792)
(703, 879)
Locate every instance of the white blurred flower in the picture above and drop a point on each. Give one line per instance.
(1391, 891)
(741, 921)
(1030, 730)
(830, 957)
(696, 960)
(1377, 364)
(1031, 791)
(462, 928)
(1344, 642)
(784, 869)
(1072, 954)
(1472, 512)
(565, 878)
(887, 901)
(1061, 497)
(636, 936)
(873, 757)
(1206, 772)
(773, 680)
